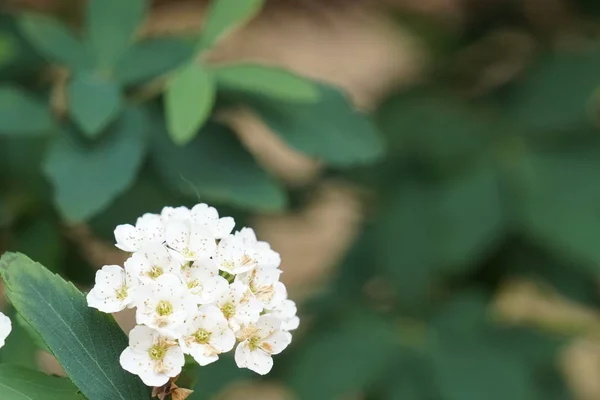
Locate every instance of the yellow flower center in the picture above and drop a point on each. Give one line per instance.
(155, 272)
(164, 308)
(202, 336)
(158, 350)
(122, 293)
(228, 310)
(254, 343)
(193, 284)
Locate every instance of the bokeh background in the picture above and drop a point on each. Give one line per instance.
(442, 242)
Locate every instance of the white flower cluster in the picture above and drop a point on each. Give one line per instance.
(197, 289)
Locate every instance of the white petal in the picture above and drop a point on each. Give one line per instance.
(277, 342)
(134, 362)
(291, 324)
(152, 228)
(141, 338)
(202, 242)
(202, 357)
(177, 236)
(223, 340)
(108, 304)
(224, 227)
(110, 277)
(152, 378)
(247, 235)
(257, 361)
(5, 328)
(174, 361)
(268, 325)
(171, 213)
(128, 238)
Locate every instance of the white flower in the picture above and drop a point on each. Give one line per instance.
(241, 252)
(239, 306)
(208, 217)
(154, 358)
(263, 254)
(286, 312)
(114, 290)
(264, 284)
(152, 262)
(148, 230)
(191, 241)
(203, 281)
(259, 342)
(207, 335)
(6, 328)
(164, 304)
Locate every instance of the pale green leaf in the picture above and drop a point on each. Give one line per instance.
(87, 343)
(189, 100)
(268, 81)
(88, 176)
(225, 15)
(22, 114)
(18, 383)
(216, 166)
(93, 102)
(111, 25)
(54, 41)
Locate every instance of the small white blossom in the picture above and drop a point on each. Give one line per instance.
(234, 256)
(203, 281)
(264, 284)
(258, 342)
(148, 230)
(286, 311)
(263, 254)
(114, 290)
(164, 304)
(208, 217)
(207, 335)
(152, 262)
(154, 358)
(239, 306)
(190, 241)
(6, 328)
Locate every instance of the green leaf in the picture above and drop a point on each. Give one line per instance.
(189, 100)
(215, 377)
(87, 343)
(17, 383)
(216, 166)
(7, 49)
(268, 81)
(225, 15)
(22, 114)
(337, 362)
(151, 58)
(427, 230)
(330, 129)
(93, 102)
(88, 176)
(557, 94)
(20, 349)
(54, 41)
(111, 25)
(560, 201)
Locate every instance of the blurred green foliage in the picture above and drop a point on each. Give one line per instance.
(468, 187)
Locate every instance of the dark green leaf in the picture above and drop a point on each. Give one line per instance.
(23, 114)
(111, 25)
(93, 102)
(151, 58)
(189, 100)
(330, 129)
(88, 176)
(557, 94)
(87, 343)
(343, 360)
(18, 383)
(217, 376)
(55, 41)
(268, 81)
(561, 202)
(429, 229)
(20, 349)
(216, 166)
(225, 15)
